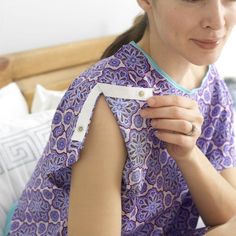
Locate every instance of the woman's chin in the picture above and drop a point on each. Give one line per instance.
(205, 60)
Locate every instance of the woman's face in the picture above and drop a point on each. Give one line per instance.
(195, 30)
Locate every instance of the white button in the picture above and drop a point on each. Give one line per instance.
(80, 129)
(141, 93)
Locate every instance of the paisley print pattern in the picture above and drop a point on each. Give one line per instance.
(155, 197)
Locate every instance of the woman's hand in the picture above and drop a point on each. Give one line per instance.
(178, 122)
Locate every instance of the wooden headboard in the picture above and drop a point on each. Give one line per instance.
(53, 67)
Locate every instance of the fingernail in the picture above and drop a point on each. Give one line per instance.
(143, 113)
(151, 102)
(152, 123)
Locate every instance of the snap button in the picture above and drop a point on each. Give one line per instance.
(141, 93)
(80, 129)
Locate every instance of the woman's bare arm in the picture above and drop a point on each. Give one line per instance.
(227, 229)
(95, 196)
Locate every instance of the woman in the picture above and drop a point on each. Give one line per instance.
(159, 150)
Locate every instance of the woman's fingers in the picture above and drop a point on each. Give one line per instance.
(176, 138)
(171, 100)
(173, 112)
(178, 126)
(177, 120)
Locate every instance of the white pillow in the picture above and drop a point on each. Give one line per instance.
(12, 102)
(21, 144)
(45, 99)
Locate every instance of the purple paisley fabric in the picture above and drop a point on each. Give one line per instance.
(155, 197)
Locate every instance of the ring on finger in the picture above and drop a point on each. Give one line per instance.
(192, 131)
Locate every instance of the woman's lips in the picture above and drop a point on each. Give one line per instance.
(207, 44)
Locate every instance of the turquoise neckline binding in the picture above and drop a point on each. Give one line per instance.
(7, 227)
(165, 75)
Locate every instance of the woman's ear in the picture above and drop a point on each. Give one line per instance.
(146, 5)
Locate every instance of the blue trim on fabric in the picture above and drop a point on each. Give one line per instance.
(166, 76)
(6, 229)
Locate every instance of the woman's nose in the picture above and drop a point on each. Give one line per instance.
(214, 17)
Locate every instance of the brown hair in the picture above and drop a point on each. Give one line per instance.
(135, 33)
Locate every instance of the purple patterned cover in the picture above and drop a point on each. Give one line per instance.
(155, 197)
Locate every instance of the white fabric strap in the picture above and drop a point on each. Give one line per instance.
(85, 114)
(108, 90)
(117, 91)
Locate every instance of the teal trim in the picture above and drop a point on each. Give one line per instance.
(166, 76)
(6, 229)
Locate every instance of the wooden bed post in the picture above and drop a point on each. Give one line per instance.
(5, 71)
(53, 67)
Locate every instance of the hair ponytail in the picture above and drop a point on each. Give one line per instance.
(135, 33)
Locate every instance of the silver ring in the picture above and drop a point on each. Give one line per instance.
(191, 133)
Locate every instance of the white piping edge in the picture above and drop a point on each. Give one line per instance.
(109, 90)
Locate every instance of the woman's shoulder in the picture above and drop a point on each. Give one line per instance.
(126, 67)
(218, 87)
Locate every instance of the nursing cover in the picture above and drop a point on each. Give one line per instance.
(155, 197)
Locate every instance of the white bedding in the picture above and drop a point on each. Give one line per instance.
(23, 137)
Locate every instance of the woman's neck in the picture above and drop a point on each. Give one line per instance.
(181, 71)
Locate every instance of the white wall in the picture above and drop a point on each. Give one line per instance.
(227, 61)
(28, 24)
